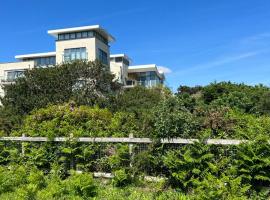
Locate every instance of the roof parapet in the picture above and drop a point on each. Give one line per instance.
(35, 55)
(97, 28)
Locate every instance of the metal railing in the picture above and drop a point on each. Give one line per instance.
(147, 83)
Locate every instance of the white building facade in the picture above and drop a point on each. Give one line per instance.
(83, 43)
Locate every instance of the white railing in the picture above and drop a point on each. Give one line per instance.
(130, 140)
(147, 83)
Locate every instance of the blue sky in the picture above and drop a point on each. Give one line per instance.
(199, 41)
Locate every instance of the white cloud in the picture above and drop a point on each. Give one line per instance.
(165, 70)
(219, 62)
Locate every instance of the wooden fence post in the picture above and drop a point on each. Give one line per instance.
(130, 145)
(23, 148)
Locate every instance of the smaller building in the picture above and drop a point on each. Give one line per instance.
(144, 75)
(130, 76)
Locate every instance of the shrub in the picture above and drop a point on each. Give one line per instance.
(121, 178)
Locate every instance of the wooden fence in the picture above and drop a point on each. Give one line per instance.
(129, 140)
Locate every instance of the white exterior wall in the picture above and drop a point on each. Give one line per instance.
(119, 69)
(88, 43)
(91, 44)
(116, 70)
(13, 66)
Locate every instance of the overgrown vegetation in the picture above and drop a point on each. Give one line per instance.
(82, 100)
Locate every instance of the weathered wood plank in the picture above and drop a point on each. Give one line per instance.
(123, 140)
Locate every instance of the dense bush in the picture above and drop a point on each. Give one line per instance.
(64, 120)
(220, 110)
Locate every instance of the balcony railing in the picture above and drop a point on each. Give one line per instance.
(148, 83)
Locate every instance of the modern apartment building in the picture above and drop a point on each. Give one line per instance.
(83, 43)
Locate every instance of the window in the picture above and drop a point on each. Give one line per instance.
(75, 54)
(45, 61)
(66, 36)
(118, 59)
(100, 37)
(153, 76)
(72, 35)
(82, 34)
(126, 62)
(13, 75)
(79, 35)
(90, 34)
(121, 59)
(61, 37)
(103, 56)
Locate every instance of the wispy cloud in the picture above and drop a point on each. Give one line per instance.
(218, 62)
(255, 38)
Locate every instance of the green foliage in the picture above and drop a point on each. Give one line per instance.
(9, 120)
(87, 83)
(139, 99)
(61, 120)
(199, 171)
(120, 158)
(12, 178)
(226, 187)
(253, 163)
(81, 185)
(171, 119)
(188, 166)
(121, 178)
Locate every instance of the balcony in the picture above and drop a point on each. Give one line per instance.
(147, 83)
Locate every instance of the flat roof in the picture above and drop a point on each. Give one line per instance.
(97, 28)
(145, 68)
(36, 55)
(120, 55)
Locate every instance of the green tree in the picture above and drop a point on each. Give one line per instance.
(171, 119)
(86, 83)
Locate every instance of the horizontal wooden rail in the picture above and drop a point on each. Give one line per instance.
(123, 140)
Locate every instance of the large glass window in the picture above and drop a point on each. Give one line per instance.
(45, 61)
(75, 54)
(103, 56)
(12, 75)
(82, 34)
(148, 79)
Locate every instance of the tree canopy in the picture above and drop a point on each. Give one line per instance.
(87, 83)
